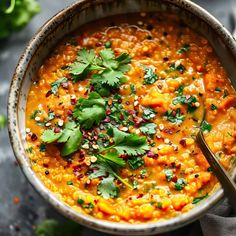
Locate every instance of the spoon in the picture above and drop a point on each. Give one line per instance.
(222, 175)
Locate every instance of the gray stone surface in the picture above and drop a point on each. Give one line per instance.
(19, 219)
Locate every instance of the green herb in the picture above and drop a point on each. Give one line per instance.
(90, 111)
(107, 188)
(143, 173)
(180, 68)
(42, 147)
(135, 184)
(185, 48)
(33, 115)
(55, 85)
(180, 90)
(81, 202)
(213, 107)
(29, 150)
(209, 169)
(51, 227)
(51, 115)
(189, 101)
(169, 174)
(135, 162)
(174, 116)
(148, 128)
(149, 76)
(132, 88)
(159, 205)
(226, 93)
(49, 136)
(3, 121)
(218, 89)
(148, 113)
(107, 44)
(69, 183)
(198, 199)
(16, 15)
(180, 183)
(205, 126)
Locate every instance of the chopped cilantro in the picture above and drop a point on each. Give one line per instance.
(209, 169)
(168, 174)
(159, 205)
(143, 173)
(42, 147)
(135, 184)
(51, 115)
(184, 48)
(133, 89)
(135, 162)
(205, 126)
(80, 201)
(33, 115)
(90, 111)
(180, 90)
(55, 85)
(226, 93)
(181, 68)
(69, 183)
(149, 129)
(218, 89)
(148, 113)
(198, 199)
(149, 76)
(180, 183)
(189, 101)
(174, 116)
(107, 44)
(213, 107)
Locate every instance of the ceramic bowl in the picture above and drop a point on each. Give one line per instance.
(49, 35)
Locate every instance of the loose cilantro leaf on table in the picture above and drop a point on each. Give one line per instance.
(150, 76)
(169, 174)
(198, 199)
(148, 113)
(55, 85)
(187, 100)
(148, 128)
(90, 111)
(174, 116)
(205, 126)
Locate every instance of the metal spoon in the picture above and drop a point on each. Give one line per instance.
(226, 182)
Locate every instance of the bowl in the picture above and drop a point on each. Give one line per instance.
(46, 38)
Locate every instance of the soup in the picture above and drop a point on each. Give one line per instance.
(112, 116)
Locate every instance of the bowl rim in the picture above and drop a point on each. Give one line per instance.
(14, 134)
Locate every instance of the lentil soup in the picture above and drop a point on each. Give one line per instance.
(113, 113)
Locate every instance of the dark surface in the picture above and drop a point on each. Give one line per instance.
(19, 219)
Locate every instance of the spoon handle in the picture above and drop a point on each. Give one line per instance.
(222, 175)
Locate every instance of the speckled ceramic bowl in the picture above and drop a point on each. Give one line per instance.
(65, 22)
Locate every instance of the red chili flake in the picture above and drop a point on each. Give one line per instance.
(132, 112)
(45, 165)
(86, 92)
(188, 97)
(49, 93)
(65, 85)
(122, 116)
(174, 179)
(127, 103)
(165, 59)
(81, 153)
(183, 142)
(57, 130)
(97, 35)
(178, 166)
(118, 181)
(73, 101)
(92, 89)
(140, 195)
(16, 200)
(107, 119)
(108, 112)
(95, 201)
(77, 169)
(159, 86)
(124, 156)
(150, 154)
(173, 113)
(69, 112)
(168, 131)
(80, 176)
(46, 172)
(34, 137)
(99, 44)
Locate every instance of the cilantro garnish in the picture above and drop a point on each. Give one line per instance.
(205, 126)
(169, 174)
(133, 89)
(33, 115)
(198, 199)
(175, 116)
(107, 44)
(56, 84)
(135, 162)
(180, 184)
(180, 90)
(181, 68)
(148, 113)
(213, 107)
(81, 202)
(107, 188)
(42, 147)
(90, 111)
(51, 115)
(148, 128)
(226, 93)
(189, 101)
(184, 48)
(149, 76)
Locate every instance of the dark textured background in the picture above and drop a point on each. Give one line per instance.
(19, 219)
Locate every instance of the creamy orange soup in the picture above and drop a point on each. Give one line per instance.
(113, 113)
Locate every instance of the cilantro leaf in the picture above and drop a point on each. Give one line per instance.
(148, 113)
(90, 111)
(180, 184)
(174, 116)
(184, 48)
(198, 199)
(114, 158)
(49, 136)
(130, 144)
(188, 100)
(148, 128)
(169, 174)
(107, 188)
(135, 162)
(55, 85)
(149, 76)
(180, 90)
(205, 126)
